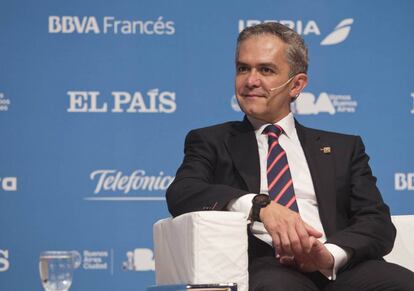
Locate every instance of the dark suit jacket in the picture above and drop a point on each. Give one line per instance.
(222, 163)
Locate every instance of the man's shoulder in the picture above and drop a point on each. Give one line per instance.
(325, 135)
(334, 134)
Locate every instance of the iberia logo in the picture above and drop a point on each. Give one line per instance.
(340, 32)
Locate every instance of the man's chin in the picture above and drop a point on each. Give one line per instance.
(253, 113)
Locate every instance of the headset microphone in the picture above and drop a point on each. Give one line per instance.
(284, 84)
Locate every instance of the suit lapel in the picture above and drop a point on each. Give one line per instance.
(245, 155)
(321, 166)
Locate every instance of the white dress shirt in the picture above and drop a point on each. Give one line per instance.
(302, 184)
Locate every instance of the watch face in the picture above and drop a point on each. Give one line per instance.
(259, 201)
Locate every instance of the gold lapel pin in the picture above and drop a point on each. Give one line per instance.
(326, 150)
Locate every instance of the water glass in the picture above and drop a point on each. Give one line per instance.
(56, 269)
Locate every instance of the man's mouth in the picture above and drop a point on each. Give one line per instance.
(253, 95)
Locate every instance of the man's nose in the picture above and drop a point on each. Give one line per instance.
(253, 79)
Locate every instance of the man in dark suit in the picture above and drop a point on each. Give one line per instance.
(326, 227)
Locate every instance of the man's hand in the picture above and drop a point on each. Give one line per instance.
(319, 258)
(290, 234)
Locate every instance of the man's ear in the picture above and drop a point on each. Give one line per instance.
(298, 83)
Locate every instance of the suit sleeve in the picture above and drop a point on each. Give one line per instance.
(370, 233)
(194, 187)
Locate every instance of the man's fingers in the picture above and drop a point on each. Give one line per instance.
(295, 242)
(313, 241)
(285, 247)
(311, 231)
(317, 246)
(303, 237)
(288, 261)
(276, 244)
(290, 234)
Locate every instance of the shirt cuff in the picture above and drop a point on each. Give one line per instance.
(341, 257)
(242, 204)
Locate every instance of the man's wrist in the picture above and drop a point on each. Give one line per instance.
(340, 257)
(258, 202)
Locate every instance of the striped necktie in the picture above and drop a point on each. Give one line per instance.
(279, 179)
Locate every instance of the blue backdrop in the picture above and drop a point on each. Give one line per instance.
(97, 97)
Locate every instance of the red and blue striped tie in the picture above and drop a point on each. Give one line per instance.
(279, 179)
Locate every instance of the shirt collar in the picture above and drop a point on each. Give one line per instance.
(287, 123)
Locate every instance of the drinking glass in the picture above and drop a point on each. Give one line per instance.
(56, 269)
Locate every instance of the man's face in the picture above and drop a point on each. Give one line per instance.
(260, 66)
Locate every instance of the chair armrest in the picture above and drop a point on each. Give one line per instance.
(201, 248)
(403, 252)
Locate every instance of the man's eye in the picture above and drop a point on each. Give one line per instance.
(265, 70)
(242, 69)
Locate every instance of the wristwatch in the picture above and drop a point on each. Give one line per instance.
(258, 202)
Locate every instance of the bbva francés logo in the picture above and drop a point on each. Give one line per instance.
(404, 181)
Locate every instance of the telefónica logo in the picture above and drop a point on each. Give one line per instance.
(114, 185)
(310, 27)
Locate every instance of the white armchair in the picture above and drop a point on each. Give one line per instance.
(403, 252)
(211, 247)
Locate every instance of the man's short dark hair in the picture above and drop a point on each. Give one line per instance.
(296, 52)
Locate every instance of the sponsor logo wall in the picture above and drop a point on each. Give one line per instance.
(404, 181)
(109, 25)
(4, 260)
(412, 110)
(309, 27)
(8, 184)
(96, 99)
(4, 102)
(153, 102)
(128, 186)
